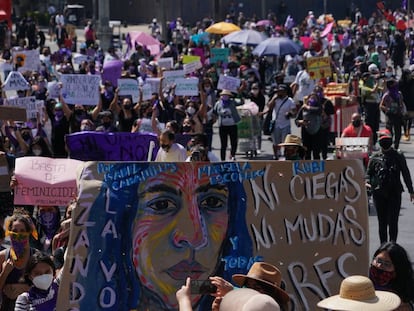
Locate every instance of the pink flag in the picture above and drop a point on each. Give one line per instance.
(327, 29)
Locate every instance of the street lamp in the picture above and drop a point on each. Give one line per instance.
(104, 31)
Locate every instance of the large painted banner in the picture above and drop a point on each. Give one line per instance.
(139, 229)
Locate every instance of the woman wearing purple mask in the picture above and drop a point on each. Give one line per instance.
(228, 117)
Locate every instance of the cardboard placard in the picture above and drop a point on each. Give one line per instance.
(129, 87)
(228, 83)
(80, 89)
(187, 87)
(15, 81)
(13, 113)
(319, 67)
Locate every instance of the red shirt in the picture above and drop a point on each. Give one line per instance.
(351, 131)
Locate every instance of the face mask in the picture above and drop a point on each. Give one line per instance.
(388, 74)
(43, 281)
(59, 114)
(127, 106)
(356, 123)
(207, 89)
(385, 144)
(19, 242)
(37, 151)
(225, 98)
(251, 79)
(191, 110)
(381, 278)
(78, 112)
(255, 92)
(26, 136)
(165, 147)
(186, 128)
(107, 124)
(85, 128)
(313, 102)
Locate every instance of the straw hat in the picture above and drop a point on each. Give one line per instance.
(357, 292)
(226, 92)
(247, 299)
(267, 274)
(292, 140)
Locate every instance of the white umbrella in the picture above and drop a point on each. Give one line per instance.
(244, 37)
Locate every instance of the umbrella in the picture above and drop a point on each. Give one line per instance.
(202, 38)
(245, 37)
(277, 46)
(222, 28)
(264, 22)
(144, 39)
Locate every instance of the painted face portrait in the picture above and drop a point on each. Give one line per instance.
(180, 226)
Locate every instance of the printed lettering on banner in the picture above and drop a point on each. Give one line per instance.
(146, 92)
(191, 67)
(129, 87)
(187, 87)
(80, 89)
(228, 83)
(15, 81)
(166, 63)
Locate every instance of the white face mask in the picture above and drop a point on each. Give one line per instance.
(191, 110)
(43, 281)
(37, 151)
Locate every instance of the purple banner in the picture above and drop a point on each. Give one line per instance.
(98, 146)
(112, 71)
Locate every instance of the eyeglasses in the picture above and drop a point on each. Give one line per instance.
(384, 263)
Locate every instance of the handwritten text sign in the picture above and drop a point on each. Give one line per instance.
(80, 89)
(166, 63)
(53, 89)
(192, 67)
(187, 87)
(45, 181)
(27, 60)
(129, 87)
(32, 106)
(221, 55)
(228, 83)
(15, 81)
(171, 76)
(319, 67)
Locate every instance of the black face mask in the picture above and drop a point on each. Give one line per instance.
(78, 112)
(127, 107)
(26, 136)
(186, 128)
(165, 147)
(385, 143)
(107, 124)
(356, 123)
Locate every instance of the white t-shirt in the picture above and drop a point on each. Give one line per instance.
(305, 84)
(288, 105)
(177, 153)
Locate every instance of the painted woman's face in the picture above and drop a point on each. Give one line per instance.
(179, 229)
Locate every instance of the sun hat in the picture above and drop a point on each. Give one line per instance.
(226, 92)
(292, 140)
(267, 274)
(357, 292)
(247, 299)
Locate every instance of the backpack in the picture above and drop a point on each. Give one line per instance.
(386, 173)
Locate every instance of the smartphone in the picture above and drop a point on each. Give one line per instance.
(202, 287)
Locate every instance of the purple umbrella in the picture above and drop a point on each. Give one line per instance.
(264, 22)
(244, 37)
(277, 46)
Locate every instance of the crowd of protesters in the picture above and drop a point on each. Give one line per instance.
(369, 53)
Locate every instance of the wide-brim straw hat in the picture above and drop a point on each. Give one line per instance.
(267, 274)
(247, 299)
(292, 140)
(357, 292)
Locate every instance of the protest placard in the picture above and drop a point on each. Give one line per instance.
(171, 76)
(26, 60)
(218, 54)
(53, 89)
(5, 66)
(80, 89)
(187, 59)
(129, 87)
(45, 181)
(154, 83)
(319, 67)
(273, 212)
(112, 71)
(192, 67)
(15, 81)
(187, 87)
(228, 83)
(29, 103)
(5, 173)
(166, 63)
(13, 113)
(80, 58)
(146, 92)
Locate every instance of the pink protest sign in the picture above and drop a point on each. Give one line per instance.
(45, 181)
